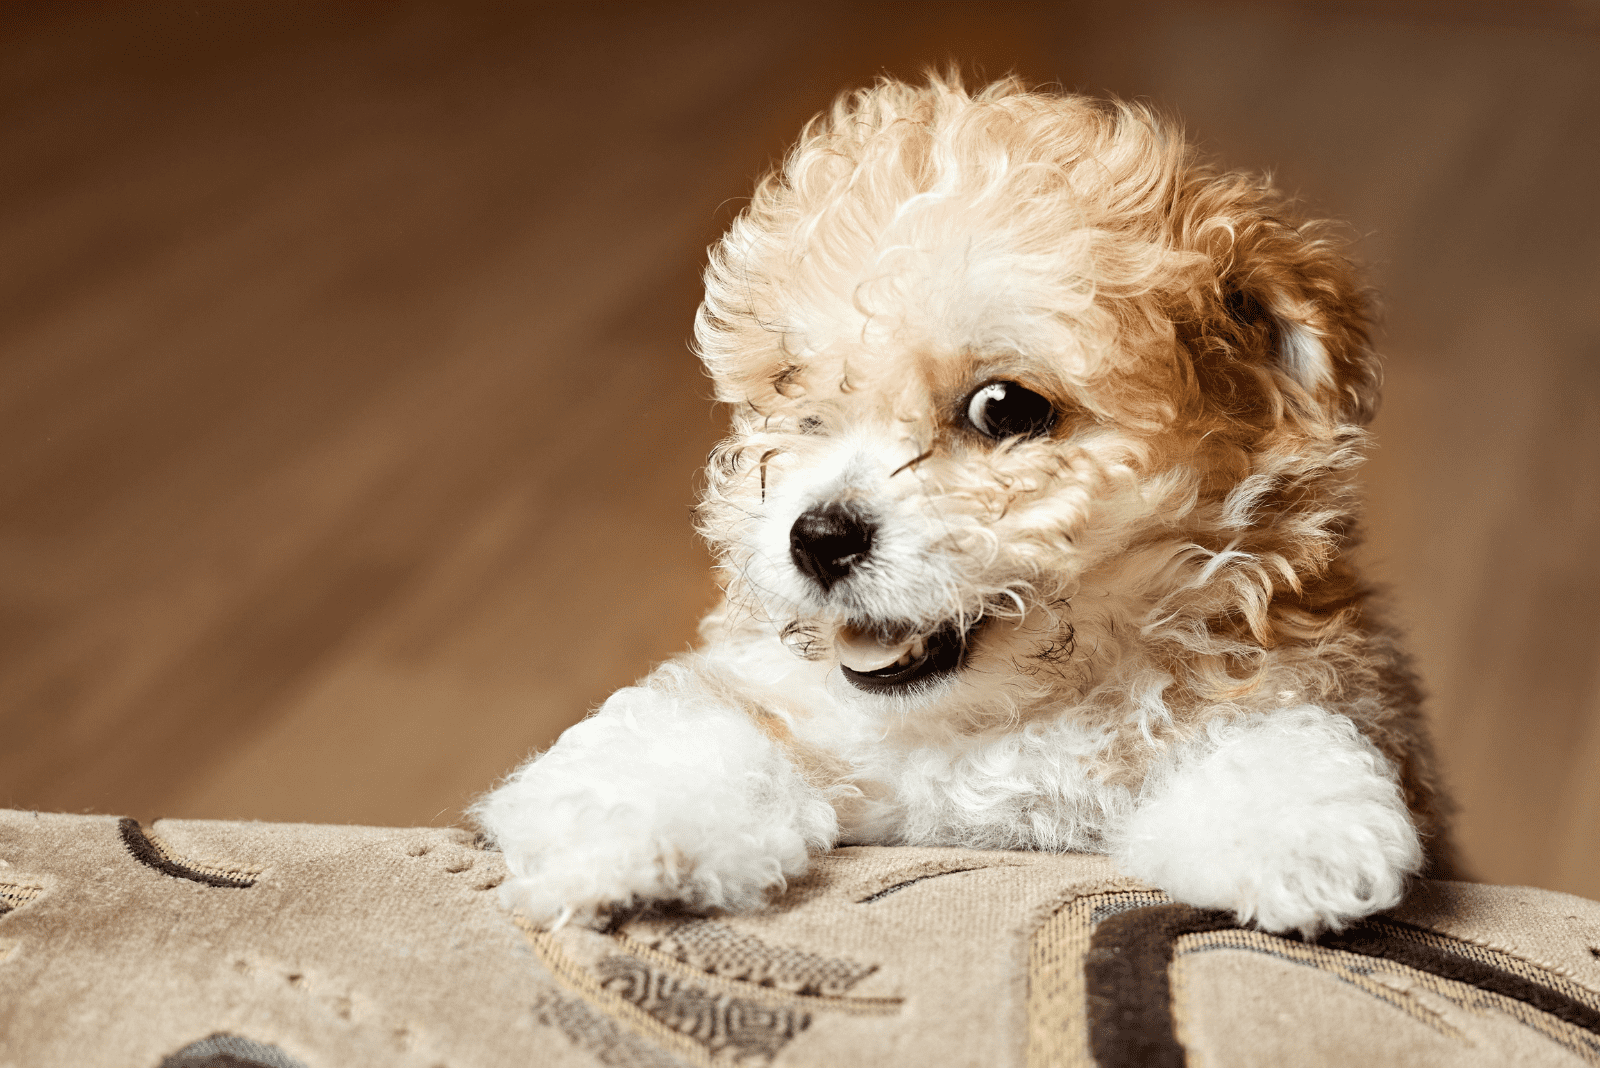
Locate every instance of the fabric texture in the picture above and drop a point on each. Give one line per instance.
(208, 944)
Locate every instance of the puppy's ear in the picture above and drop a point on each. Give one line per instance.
(1278, 327)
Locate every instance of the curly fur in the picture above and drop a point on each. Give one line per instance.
(1169, 655)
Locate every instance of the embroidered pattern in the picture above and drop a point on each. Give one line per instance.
(222, 1050)
(594, 1032)
(718, 949)
(886, 891)
(1106, 981)
(153, 853)
(1058, 1034)
(718, 1021)
(702, 1017)
(15, 895)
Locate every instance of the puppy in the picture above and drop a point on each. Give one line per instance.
(1035, 526)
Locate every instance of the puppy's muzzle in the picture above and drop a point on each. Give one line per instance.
(830, 540)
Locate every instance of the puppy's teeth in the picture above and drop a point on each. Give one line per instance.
(864, 652)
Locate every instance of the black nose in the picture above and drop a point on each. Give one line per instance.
(828, 541)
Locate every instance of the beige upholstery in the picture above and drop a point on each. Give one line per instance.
(197, 943)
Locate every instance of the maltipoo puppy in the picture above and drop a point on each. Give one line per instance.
(1035, 526)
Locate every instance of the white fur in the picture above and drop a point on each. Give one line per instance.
(1293, 820)
(1025, 789)
(655, 796)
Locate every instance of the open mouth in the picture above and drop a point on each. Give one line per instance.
(874, 664)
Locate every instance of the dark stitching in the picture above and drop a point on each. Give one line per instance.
(717, 949)
(886, 891)
(1129, 996)
(222, 1050)
(597, 1034)
(750, 1030)
(1370, 940)
(146, 853)
(1129, 993)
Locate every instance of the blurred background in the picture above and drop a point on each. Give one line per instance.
(349, 431)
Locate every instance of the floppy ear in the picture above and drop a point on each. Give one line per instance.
(1279, 327)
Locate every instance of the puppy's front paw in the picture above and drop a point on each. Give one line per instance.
(580, 865)
(1292, 820)
(654, 800)
(581, 859)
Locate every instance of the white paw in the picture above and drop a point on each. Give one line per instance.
(1291, 820)
(653, 799)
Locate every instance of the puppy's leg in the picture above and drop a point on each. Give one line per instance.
(1292, 819)
(668, 793)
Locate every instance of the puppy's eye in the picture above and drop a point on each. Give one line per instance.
(1006, 410)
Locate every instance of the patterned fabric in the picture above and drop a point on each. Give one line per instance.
(153, 853)
(717, 949)
(229, 1051)
(201, 944)
(1113, 984)
(16, 895)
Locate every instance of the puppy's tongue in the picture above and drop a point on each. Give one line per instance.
(865, 651)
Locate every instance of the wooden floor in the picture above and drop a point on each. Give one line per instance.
(348, 430)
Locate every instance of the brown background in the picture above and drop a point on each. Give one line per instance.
(348, 429)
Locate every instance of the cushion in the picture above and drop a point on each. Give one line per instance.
(194, 943)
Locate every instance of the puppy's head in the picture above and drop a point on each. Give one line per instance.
(1028, 402)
